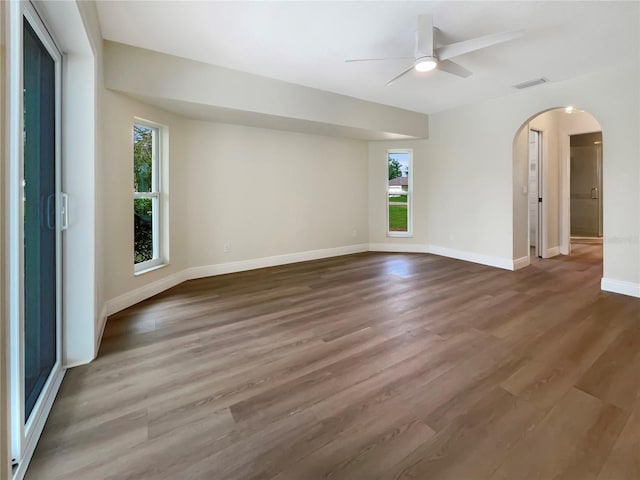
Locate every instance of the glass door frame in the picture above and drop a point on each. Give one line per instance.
(26, 432)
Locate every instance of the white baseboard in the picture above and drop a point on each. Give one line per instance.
(620, 286)
(138, 295)
(521, 262)
(499, 262)
(552, 252)
(103, 323)
(255, 263)
(128, 299)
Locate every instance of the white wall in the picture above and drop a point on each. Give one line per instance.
(118, 114)
(128, 69)
(267, 192)
(459, 186)
(79, 39)
(89, 14)
(467, 191)
(263, 192)
(556, 127)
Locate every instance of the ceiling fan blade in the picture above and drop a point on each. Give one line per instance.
(376, 59)
(452, 67)
(424, 36)
(466, 46)
(399, 75)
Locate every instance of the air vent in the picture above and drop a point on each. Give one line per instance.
(531, 83)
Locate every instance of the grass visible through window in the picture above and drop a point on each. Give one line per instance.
(397, 218)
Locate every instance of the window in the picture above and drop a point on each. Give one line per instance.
(147, 223)
(399, 193)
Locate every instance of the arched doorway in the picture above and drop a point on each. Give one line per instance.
(551, 207)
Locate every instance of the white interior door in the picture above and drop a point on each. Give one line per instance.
(535, 192)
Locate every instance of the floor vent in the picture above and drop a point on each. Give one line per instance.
(531, 83)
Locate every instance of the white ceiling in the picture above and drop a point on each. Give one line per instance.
(306, 42)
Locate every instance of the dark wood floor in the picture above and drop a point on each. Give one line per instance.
(368, 366)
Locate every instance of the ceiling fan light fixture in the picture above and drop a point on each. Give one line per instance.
(426, 64)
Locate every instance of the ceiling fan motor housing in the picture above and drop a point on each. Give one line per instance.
(426, 63)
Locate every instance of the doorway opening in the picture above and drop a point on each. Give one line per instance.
(586, 187)
(558, 187)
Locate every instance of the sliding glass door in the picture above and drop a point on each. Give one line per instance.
(40, 221)
(35, 230)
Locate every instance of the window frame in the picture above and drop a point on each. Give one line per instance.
(409, 193)
(156, 195)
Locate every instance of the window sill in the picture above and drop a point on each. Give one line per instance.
(399, 234)
(150, 269)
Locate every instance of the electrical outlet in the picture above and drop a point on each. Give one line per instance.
(226, 248)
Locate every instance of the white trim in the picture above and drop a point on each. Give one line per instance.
(157, 194)
(38, 426)
(552, 252)
(399, 247)
(138, 295)
(14, 244)
(244, 265)
(620, 286)
(128, 299)
(150, 269)
(398, 234)
(498, 262)
(522, 262)
(408, 193)
(102, 322)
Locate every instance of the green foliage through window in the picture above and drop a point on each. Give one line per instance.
(143, 229)
(395, 169)
(143, 172)
(142, 158)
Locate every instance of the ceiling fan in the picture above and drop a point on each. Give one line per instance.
(428, 57)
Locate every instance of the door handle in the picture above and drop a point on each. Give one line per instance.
(64, 211)
(51, 208)
(594, 192)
